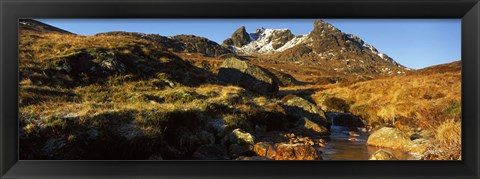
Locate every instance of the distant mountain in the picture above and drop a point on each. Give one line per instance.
(324, 46)
(455, 67)
(39, 27)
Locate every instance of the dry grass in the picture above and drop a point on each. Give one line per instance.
(447, 143)
(427, 99)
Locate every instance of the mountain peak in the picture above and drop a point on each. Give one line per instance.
(239, 38)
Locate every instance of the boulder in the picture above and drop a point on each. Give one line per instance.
(389, 137)
(211, 152)
(265, 149)
(297, 151)
(299, 108)
(238, 136)
(382, 155)
(345, 120)
(237, 72)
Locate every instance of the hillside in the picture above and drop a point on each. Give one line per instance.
(267, 95)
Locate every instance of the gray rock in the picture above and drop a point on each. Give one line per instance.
(237, 72)
(238, 136)
(300, 108)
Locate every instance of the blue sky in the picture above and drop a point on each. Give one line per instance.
(415, 43)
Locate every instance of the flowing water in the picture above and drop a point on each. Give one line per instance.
(341, 146)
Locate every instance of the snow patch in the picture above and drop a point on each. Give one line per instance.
(261, 42)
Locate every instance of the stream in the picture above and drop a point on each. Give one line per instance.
(341, 146)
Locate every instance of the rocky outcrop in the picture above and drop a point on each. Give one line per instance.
(237, 72)
(239, 38)
(297, 151)
(195, 44)
(93, 62)
(178, 43)
(382, 155)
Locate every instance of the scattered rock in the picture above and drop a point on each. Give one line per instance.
(298, 151)
(265, 149)
(382, 155)
(249, 76)
(238, 136)
(211, 152)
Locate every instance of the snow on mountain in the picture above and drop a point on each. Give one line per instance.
(269, 41)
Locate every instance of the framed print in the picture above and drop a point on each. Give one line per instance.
(239, 89)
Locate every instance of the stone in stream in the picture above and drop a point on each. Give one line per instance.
(389, 137)
(382, 155)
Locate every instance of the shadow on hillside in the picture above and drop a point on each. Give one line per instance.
(232, 76)
(100, 66)
(303, 93)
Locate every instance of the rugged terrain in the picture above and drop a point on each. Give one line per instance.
(267, 95)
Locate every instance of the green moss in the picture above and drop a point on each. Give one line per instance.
(453, 109)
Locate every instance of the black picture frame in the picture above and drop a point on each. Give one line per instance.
(467, 10)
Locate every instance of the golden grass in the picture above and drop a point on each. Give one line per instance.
(447, 143)
(428, 98)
